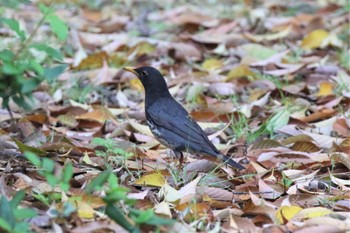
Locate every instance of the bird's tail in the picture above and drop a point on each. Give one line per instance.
(229, 161)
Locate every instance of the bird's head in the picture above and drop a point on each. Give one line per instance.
(151, 79)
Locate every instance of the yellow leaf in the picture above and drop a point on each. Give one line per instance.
(85, 210)
(145, 48)
(326, 88)
(286, 213)
(68, 120)
(313, 212)
(239, 72)
(154, 178)
(95, 115)
(256, 94)
(269, 37)
(93, 61)
(212, 64)
(136, 84)
(314, 39)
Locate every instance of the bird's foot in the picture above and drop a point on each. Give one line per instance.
(179, 155)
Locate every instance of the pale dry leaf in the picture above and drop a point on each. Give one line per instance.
(190, 188)
(163, 208)
(267, 191)
(169, 194)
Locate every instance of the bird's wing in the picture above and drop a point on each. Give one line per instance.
(178, 121)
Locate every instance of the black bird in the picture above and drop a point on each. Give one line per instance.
(170, 122)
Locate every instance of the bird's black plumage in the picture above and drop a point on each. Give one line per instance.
(170, 122)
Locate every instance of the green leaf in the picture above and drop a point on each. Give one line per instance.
(65, 186)
(116, 194)
(24, 148)
(113, 181)
(144, 216)
(117, 216)
(51, 179)
(67, 172)
(21, 227)
(158, 221)
(7, 55)
(48, 164)
(33, 158)
(29, 85)
(48, 50)
(22, 102)
(10, 69)
(16, 200)
(98, 181)
(35, 66)
(153, 220)
(6, 212)
(14, 25)
(44, 9)
(51, 73)
(42, 198)
(58, 26)
(279, 120)
(5, 225)
(25, 213)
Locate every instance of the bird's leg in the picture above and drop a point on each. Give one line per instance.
(179, 155)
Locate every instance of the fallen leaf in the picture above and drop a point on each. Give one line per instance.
(154, 178)
(312, 212)
(212, 64)
(240, 71)
(314, 39)
(286, 213)
(326, 88)
(85, 210)
(163, 208)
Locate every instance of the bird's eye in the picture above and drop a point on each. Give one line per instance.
(144, 73)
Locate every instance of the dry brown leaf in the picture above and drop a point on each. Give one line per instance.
(320, 115)
(216, 193)
(305, 147)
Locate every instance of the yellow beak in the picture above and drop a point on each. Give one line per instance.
(130, 69)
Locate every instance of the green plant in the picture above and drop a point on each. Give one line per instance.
(112, 151)
(278, 120)
(286, 182)
(118, 205)
(12, 216)
(276, 80)
(46, 168)
(240, 125)
(80, 91)
(21, 72)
